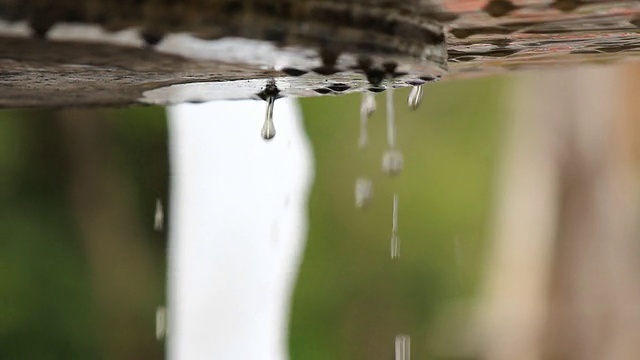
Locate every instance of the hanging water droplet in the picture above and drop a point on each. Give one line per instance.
(364, 192)
(403, 347)
(161, 322)
(158, 218)
(392, 162)
(268, 129)
(415, 97)
(367, 108)
(395, 239)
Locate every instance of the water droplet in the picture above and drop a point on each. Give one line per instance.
(158, 218)
(268, 129)
(392, 162)
(161, 323)
(364, 192)
(415, 97)
(403, 347)
(395, 239)
(367, 108)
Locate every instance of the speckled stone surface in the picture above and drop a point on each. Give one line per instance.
(114, 52)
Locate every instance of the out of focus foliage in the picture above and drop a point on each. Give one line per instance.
(51, 285)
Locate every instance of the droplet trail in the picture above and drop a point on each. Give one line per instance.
(268, 129)
(367, 108)
(395, 239)
(403, 347)
(415, 97)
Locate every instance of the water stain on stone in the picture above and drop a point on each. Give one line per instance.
(293, 71)
(151, 37)
(374, 89)
(567, 5)
(325, 70)
(499, 8)
(323, 91)
(375, 76)
(339, 87)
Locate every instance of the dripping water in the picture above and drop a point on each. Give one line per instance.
(269, 94)
(403, 347)
(392, 160)
(367, 108)
(415, 97)
(158, 218)
(364, 192)
(395, 239)
(268, 129)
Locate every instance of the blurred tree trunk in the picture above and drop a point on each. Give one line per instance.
(562, 282)
(123, 271)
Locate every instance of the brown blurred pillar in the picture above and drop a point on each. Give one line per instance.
(123, 272)
(562, 277)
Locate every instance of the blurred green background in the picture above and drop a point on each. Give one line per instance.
(82, 271)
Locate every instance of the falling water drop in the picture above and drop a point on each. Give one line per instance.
(403, 347)
(395, 239)
(364, 192)
(268, 130)
(161, 322)
(367, 108)
(158, 218)
(415, 97)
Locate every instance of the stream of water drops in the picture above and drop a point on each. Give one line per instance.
(367, 108)
(392, 164)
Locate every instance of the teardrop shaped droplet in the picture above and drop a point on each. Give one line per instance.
(415, 97)
(392, 162)
(364, 192)
(268, 129)
(403, 347)
(367, 108)
(395, 239)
